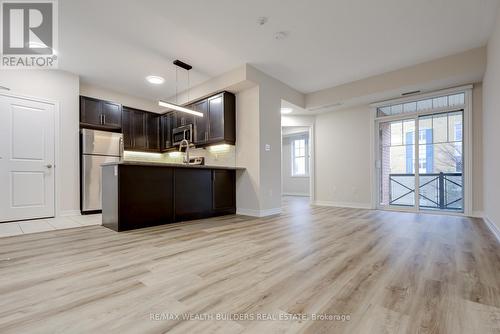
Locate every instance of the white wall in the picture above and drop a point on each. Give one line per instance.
(247, 151)
(491, 133)
(292, 185)
(342, 174)
(62, 87)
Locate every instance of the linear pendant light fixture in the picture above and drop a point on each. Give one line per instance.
(175, 106)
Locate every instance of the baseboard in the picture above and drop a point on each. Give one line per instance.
(295, 194)
(69, 213)
(476, 214)
(258, 213)
(493, 228)
(343, 204)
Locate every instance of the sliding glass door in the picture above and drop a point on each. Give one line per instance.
(397, 150)
(440, 167)
(420, 156)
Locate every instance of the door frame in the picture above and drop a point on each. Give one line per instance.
(311, 158)
(466, 151)
(57, 132)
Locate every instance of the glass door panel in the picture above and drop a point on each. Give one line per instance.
(397, 163)
(440, 166)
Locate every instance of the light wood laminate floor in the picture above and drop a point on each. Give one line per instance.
(388, 272)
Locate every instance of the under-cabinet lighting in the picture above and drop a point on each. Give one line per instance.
(175, 154)
(134, 154)
(219, 148)
(179, 108)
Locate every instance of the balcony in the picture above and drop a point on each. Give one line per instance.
(438, 191)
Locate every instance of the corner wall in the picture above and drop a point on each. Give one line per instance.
(491, 133)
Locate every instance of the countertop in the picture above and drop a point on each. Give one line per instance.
(166, 164)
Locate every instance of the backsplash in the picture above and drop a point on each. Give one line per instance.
(219, 155)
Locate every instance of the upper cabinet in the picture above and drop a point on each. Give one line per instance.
(99, 114)
(167, 123)
(141, 130)
(201, 123)
(218, 124)
(146, 131)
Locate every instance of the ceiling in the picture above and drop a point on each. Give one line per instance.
(117, 43)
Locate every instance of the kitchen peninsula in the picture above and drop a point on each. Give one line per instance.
(142, 194)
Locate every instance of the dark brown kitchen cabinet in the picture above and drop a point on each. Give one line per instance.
(201, 123)
(153, 131)
(168, 122)
(192, 193)
(218, 124)
(138, 130)
(224, 190)
(136, 195)
(128, 142)
(99, 114)
(111, 114)
(141, 130)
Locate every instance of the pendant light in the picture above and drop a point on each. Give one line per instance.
(175, 106)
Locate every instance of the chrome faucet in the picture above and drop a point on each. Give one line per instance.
(184, 144)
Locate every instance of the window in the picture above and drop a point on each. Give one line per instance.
(300, 157)
(440, 102)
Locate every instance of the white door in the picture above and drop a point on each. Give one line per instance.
(26, 159)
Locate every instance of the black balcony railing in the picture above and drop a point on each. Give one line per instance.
(443, 191)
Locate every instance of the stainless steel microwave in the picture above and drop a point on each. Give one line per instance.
(181, 133)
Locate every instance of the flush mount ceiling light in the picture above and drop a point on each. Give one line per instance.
(175, 105)
(285, 111)
(155, 80)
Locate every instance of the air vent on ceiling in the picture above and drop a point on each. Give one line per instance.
(411, 93)
(328, 106)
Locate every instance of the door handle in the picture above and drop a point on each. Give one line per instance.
(49, 166)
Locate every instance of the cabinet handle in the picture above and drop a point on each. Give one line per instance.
(103, 119)
(206, 135)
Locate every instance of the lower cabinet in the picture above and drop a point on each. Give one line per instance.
(224, 190)
(193, 193)
(136, 195)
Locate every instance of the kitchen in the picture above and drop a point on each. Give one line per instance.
(138, 193)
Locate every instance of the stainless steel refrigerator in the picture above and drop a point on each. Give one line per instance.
(97, 147)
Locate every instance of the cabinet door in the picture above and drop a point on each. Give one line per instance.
(126, 129)
(90, 111)
(215, 118)
(193, 193)
(224, 182)
(138, 130)
(167, 124)
(201, 123)
(111, 114)
(153, 131)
